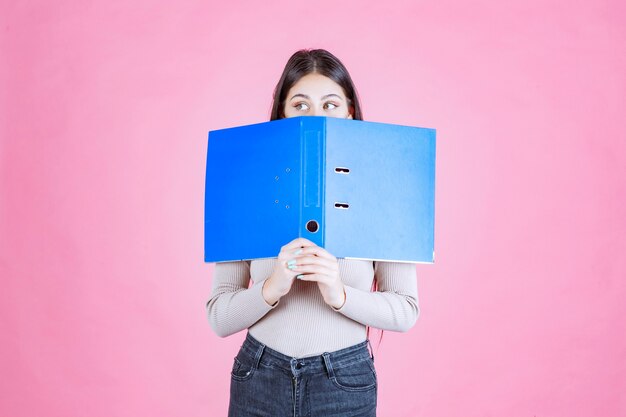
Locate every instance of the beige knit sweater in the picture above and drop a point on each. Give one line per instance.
(301, 324)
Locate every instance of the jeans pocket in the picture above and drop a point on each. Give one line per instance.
(357, 376)
(241, 370)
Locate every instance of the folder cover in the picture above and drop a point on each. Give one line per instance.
(361, 190)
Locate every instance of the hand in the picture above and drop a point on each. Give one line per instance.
(279, 283)
(316, 264)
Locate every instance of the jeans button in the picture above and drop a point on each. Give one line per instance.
(298, 365)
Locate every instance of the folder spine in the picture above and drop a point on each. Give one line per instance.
(312, 141)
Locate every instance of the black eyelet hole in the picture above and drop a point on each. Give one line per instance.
(312, 226)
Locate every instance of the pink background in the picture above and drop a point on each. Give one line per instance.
(104, 110)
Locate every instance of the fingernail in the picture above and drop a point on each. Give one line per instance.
(298, 252)
(291, 266)
(291, 262)
(299, 276)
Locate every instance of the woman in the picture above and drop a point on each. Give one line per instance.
(307, 313)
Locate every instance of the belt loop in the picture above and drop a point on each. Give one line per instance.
(371, 349)
(329, 365)
(257, 357)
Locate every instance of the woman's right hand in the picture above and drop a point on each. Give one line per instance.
(279, 283)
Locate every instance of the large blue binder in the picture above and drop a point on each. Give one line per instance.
(361, 190)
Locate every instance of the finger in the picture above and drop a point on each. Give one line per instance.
(303, 261)
(290, 256)
(294, 257)
(289, 252)
(302, 242)
(318, 251)
(320, 278)
(297, 243)
(314, 269)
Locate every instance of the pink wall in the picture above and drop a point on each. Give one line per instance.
(104, 109)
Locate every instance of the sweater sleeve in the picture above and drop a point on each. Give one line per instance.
(393, 307)
(233, 306)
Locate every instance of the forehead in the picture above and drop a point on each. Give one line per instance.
(315, 85)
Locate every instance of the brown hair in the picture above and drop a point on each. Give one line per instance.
(308, 61)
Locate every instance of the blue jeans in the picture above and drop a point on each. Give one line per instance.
(266, 383)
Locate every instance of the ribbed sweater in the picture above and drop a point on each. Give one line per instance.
(301, 324)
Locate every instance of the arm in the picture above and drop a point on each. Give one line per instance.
(394, 306)
(233, 306)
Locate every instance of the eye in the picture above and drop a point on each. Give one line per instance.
(330, 106)
(301, 106)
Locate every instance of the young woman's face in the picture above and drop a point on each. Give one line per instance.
(317, 95)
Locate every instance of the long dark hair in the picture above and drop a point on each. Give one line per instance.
(308, 61)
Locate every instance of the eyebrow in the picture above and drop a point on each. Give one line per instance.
(309, 98)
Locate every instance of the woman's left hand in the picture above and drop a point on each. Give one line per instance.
(314, 263)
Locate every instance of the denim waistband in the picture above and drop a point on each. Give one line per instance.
(260, 353)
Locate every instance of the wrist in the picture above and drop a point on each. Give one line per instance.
(342, 300)
(269, 296)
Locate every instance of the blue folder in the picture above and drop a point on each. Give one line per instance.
(361, 190)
